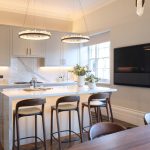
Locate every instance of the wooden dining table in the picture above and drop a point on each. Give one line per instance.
(131, 139)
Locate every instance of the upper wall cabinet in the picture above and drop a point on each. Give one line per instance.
(26, 48)
(4, 45)
(70, 54)
(60, 54)
(53, 50)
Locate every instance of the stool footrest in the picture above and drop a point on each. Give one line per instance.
(52, 134)
(84, 128)
(29, 137)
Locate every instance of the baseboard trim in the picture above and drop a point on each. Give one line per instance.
(128, 115)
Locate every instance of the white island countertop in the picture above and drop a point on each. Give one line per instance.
(54, 91)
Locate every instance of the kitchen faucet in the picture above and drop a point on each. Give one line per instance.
(33, 82)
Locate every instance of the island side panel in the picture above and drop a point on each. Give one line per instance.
(8, 126)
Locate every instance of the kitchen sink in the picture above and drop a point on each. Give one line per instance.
(37, 89)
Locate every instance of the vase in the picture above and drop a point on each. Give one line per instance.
(81, 81)
(91, 85)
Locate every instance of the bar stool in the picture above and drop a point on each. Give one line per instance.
(26, 108)
(59, 107)
(97, 101)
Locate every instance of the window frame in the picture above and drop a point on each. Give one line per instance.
(98, 58)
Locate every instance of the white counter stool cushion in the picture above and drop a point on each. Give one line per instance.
(29, 107)
(97, 102)
(29, 111)
(67, 103)
(147, 118)
(65, 107)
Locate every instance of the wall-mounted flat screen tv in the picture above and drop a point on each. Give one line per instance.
(132, 65)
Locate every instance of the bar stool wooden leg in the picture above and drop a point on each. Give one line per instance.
(100, 113)
(58, 128)
(79, 125)
(112, 119)
(35, 131)
(14, 130)
(44, 132)
(107, 112)
(82, 117)
(18, 136)
(96, 116)
(51, 125)
(90, 116)
(69, 126)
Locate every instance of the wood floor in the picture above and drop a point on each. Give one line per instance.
(65, 146)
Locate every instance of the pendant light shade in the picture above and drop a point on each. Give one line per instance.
(140, 7)
(75, 39)
(34, 35)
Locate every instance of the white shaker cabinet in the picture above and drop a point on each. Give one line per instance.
(4, 45)
(59, 53)
(26, 48)
(53, 50)
(70, 54)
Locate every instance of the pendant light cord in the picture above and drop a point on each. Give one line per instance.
(25, 18)
(84, 19)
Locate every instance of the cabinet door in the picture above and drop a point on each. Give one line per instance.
(36, 48)
(53, 50)
(19, 46)
(4, 45)
(70, 54)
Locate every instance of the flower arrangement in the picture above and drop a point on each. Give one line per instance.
(80, 70)
(91, 78)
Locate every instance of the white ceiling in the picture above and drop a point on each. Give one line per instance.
(58, 9)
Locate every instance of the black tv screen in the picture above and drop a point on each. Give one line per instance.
(132, 65)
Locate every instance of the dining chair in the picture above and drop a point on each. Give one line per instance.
(147, 118)
(104, 128)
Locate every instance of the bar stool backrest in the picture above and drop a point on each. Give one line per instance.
(68, 99)
(31, 102)
(99, 96)
(104, 128)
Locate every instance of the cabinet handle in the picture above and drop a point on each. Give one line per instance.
(30, 51)
(27, 51)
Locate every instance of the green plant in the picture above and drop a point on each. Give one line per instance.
(80, 70)
(91, 78)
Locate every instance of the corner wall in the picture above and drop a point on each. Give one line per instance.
(126, 29)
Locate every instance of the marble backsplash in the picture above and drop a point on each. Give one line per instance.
(23, 69)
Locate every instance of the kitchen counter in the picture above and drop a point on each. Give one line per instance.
(9, 97)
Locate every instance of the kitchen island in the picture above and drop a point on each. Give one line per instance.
(9, 97)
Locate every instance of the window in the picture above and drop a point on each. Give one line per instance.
(99, 61)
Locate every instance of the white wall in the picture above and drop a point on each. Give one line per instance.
(126, 29)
